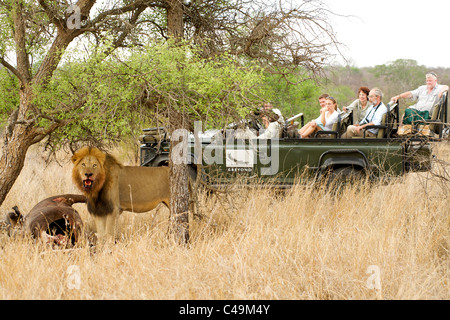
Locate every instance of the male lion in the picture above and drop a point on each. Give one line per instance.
(111, 187)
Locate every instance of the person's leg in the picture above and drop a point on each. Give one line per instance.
(309, 131)
(408, 116)
(351, 132)
(304, 128)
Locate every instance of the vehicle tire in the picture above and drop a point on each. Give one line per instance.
(339, 177)
(348, 174)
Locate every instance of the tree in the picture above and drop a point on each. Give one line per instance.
(400, 75)
(39, 34)
(291, 100)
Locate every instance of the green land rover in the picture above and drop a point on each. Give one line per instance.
(224, 155)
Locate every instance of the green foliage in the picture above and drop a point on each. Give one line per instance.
(400, 75)
(344, 95)
(9, 94)
(6, 41)
(293, 99)
(303, 97)
(215, 91)
(94, 97)
(211, 90)
(112, 98)
(38, 27)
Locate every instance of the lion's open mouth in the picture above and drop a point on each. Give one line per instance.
(87, 184)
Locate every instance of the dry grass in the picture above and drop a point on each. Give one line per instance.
(303, 244)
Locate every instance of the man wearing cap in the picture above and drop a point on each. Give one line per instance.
(427, 96)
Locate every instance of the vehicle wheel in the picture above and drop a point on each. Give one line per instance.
(348, 174)
(340, 177)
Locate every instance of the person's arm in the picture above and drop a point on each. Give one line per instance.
(323, 118)
(361, 127)
(376, 120)
(352, 106)
(404, 95)
(443, 89)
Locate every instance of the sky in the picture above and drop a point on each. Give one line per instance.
(386, 30)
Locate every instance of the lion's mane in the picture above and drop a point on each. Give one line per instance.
(98, 200)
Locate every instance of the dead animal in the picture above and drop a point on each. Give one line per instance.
(52, 220)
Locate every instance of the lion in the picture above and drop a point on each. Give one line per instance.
(110, 187)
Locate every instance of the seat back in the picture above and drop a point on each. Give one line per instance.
(292, 131)
(335, 126)
(434, 116)
(438, 115)
(392, 118)
(346, 120)
(335, 130)
(290, 128)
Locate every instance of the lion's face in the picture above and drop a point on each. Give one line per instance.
(89, 169)
(88, 172)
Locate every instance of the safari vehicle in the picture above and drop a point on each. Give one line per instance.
(224, 156)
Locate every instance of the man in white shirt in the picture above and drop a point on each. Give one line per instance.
(272, 127)
(427, 96)
(271, 124)
(373, 117)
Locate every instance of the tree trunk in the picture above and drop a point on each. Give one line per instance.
(179, 203)
(18, 136)
(179, 187)
(11, 161)
(175, 28)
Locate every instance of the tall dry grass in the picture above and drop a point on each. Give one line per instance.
(302, 244)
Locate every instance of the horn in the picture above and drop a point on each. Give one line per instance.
(14, 218)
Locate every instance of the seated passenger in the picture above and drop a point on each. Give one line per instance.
(373, 116)
(269, 107)
(427, 96)
(360, 105)
(271, 124)
(328, 117)
(323, 100)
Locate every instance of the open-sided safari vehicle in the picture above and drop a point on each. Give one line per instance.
(223, 157)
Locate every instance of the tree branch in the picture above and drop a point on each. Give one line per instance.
(23, 64)
(118, 11)
(13, 70)
(62, 40)
(58, 22)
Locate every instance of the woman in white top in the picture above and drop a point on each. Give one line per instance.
(328, 117)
